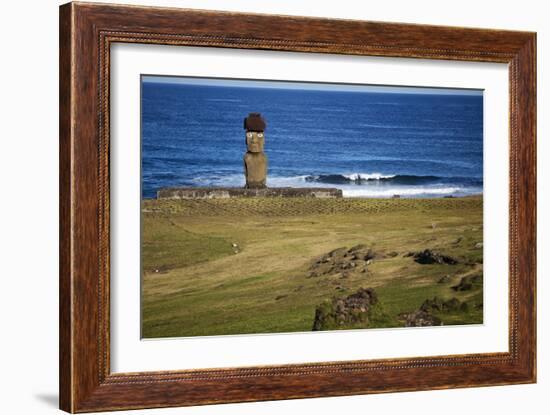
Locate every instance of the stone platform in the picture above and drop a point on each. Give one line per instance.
(234, 192)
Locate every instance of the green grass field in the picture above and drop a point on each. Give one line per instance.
(235, 266)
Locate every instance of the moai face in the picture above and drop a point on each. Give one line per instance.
(255, 141)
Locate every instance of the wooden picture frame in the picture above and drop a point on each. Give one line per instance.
(86, 33)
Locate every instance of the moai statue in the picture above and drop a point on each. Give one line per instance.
(255, 161)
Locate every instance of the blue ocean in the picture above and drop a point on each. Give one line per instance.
(369, 144)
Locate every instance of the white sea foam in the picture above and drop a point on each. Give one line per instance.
(351, 176)
(367, 176)
(404, 192)
(372, 186)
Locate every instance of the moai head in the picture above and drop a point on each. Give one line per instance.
(254, 125)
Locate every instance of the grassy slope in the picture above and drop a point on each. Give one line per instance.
(195, 284)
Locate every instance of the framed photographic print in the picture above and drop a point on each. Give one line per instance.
(260, 207)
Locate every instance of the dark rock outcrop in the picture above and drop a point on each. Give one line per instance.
(347, 311)
(430, 257)
(424, 315)
(421, 318)
(437, 304)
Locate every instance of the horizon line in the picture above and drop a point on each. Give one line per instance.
(307, 85)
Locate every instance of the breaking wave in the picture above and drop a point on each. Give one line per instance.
(363, 184)
(365, 178)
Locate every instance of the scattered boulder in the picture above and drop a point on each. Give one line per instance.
(362, 251)
(421, 318)
(437, 304)
(337, 252)
(430, 257)
(342, 262)
(468, 282)
(478, 245)
(453, 304)
(424, 315)
(341, 312)
(444, 279)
